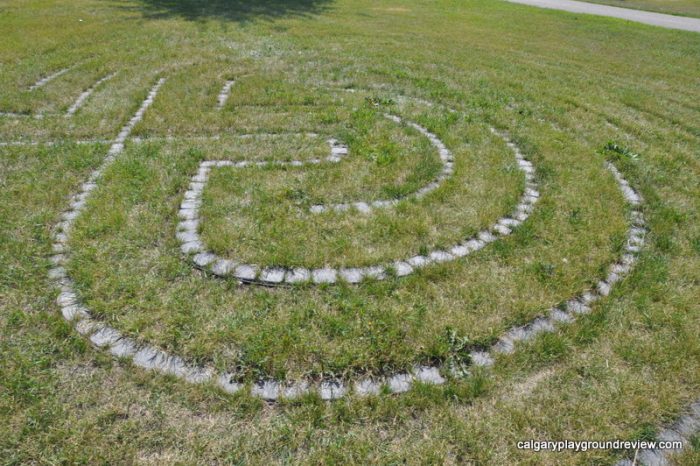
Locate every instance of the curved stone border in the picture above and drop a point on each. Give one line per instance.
(680, 431)
(192, 244)
(224, 94)
(40, 83)
(580, 304)
(366, 207)
(149, 357)
(44, 81)
(77, 202)
(86, 95)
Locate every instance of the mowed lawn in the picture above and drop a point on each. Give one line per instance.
(571, 91)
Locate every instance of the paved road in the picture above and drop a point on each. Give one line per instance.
(646, 17)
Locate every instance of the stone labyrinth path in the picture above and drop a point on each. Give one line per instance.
(195, 250)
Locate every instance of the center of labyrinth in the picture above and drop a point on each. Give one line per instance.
(369, 219)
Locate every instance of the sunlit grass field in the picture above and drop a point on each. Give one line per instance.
(571, 92)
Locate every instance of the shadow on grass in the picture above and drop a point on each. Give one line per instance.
(240, 11)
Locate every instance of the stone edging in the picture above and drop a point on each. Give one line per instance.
(367, 207)
(191, 243)
(44, 81)
(680, 431)
(86, 95)
(149, 357)
(224, 94)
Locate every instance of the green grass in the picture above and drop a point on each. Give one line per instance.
(571, 91)
(671, 7)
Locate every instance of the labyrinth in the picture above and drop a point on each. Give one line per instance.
(418, 255)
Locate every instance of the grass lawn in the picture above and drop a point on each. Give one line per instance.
(570, 92)
(671, 7)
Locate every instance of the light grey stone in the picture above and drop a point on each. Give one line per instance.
(245, 272)
(400, 383)
(146, 357)
(187, 214)
(203, 259)
(481, 358)
(440, 256)
(687, 426)
(325, 275)
(70, 215)
(186, 236)
(620, 269)
(74, 312)
(628, 259)
(588, 297)
(460, 250)
(367, 387)
(352, 275)
(418, 261)
(190, 204)
(652, 458)
(225, 381)
(194, 374)
(362, 207)
(429, 375)
(633, 248)
(486, 237)
(272, 275)
(105, 336)
(123, 348)
(575, 306)
(504, 345)
(223, 267)
(376, 272)
(58, 259)
(558, 315)
(339, 151)
(66, 298)
(474, 244)
(502, 230)
(402, 268)
(539, 325)
(298, 275)
(56, 273)
(509, 222)
(192, 247)
(60, 237)
(612, 278)
(86, 326)
(295, 390)
(87, 187)
(332, 390)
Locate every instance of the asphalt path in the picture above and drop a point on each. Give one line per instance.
(639, 16)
